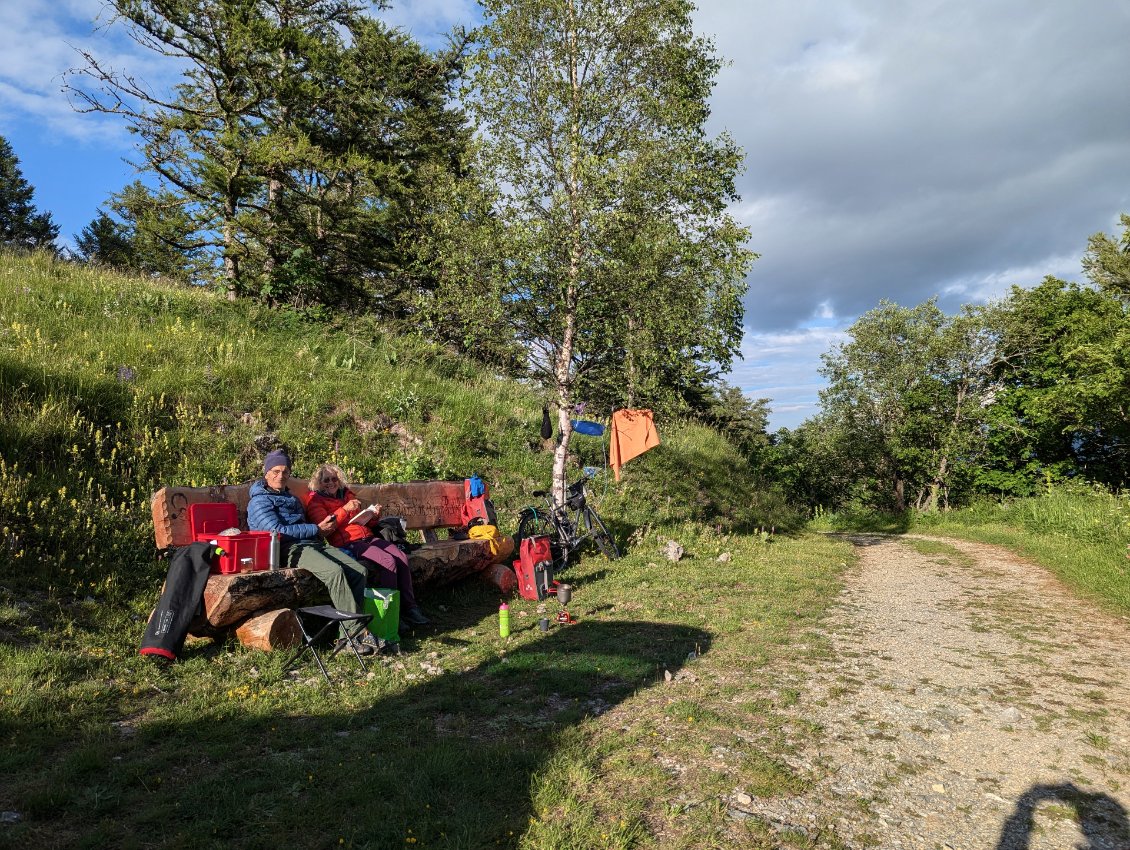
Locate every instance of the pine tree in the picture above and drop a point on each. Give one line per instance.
(20, 225)
(296, 141)
(105, 242)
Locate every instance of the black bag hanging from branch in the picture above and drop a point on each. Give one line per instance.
(546, 425)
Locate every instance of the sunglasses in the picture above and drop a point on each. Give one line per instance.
(330, 479)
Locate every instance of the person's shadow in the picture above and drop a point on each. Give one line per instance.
(1102, 820)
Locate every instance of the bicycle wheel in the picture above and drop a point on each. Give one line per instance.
(600, 534)
(535, 523)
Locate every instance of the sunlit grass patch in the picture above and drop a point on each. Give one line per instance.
(112, 386)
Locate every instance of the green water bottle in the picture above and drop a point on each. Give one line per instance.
(504, 620)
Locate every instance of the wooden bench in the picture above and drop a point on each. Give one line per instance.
(257, 605)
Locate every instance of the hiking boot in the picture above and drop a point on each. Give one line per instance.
(372, 641)
(415, 617)
(342, 644)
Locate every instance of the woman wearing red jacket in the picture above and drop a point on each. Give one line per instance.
(330, 494)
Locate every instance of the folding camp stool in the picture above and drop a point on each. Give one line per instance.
(333, 617)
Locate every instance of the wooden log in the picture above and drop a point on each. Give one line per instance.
(270, 630)
(445, 561)
(231, 598)
(228, 599)
(501, 578)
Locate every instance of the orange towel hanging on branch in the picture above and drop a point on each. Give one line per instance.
(633, 433)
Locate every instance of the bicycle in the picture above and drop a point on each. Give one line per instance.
(569, 526)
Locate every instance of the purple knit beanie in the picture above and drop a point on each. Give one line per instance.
(278, 457)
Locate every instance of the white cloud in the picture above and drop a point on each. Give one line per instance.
(783, 366)
(40, 40)
(895, 148)
(994, 285)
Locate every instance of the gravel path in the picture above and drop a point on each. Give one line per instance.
(970, 702)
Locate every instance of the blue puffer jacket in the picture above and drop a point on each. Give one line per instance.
(269, 510)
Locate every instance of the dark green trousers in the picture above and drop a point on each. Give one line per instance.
(343, 576)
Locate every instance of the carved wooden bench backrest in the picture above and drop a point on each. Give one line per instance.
(424, 505)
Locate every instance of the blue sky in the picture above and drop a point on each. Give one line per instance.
(898, 150)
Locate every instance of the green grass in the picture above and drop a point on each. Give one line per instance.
(861, 520)
(562, 740)
(111, 387)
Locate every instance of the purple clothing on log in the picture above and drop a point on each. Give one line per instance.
(392, 570)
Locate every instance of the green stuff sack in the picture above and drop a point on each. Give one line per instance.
(384, 605)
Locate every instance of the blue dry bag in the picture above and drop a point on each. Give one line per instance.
(589, 429)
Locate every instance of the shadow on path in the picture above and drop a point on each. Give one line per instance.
(1101, 818)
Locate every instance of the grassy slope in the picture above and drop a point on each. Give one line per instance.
(111, 386)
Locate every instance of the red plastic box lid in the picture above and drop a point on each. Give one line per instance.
(212, 517)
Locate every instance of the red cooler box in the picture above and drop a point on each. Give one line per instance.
(244, 552)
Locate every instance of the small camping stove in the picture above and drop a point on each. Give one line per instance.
(564, 594)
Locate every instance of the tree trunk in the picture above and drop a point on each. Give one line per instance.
(231, 265)
(900, 495)
(936, 485)
(920, 502)
(632, 379)
(561, 450)
(270, 243)
(563, 367)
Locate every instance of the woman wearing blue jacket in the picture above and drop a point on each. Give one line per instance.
(272, 507)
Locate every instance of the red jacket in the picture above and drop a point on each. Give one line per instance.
(319, 506)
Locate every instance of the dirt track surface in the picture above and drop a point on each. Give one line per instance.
(970, 702)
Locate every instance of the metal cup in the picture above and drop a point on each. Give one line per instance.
(543, 624)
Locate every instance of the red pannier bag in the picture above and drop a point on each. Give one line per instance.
(477, 507)
(534, 568)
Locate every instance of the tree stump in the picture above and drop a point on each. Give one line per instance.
(270, 630)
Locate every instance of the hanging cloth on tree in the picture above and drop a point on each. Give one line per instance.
(546, 425)
(633, 433)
